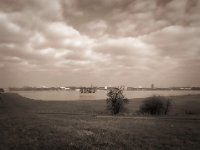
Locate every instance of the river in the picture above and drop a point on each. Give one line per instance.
(99, 95)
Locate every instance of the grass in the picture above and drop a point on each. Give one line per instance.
(24, 125)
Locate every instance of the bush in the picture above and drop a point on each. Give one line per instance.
(190, 112)
(116, 100)
(2, 90)
(156, 105)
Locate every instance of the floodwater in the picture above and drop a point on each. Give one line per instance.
(99, 95)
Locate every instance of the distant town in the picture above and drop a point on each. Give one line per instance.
(78, 88)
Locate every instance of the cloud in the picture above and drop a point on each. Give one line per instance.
(125, 46)
(129, 42)
(10, 32)
(176, 41)
(60, 30)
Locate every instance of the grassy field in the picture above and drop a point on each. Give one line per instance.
(32, 124)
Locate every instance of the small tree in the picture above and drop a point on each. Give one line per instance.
(116, 100)
(156, 105)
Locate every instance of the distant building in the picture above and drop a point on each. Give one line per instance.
(152, 86)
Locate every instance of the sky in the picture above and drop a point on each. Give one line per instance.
(100, 42)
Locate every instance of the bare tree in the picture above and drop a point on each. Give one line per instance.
(116, 100)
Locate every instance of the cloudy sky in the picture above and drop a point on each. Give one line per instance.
(99, 42)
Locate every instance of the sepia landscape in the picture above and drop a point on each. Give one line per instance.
(99, 74)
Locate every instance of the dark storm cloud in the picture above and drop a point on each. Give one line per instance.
(94, 38)
(128, 18)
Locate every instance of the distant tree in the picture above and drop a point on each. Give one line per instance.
(2, 90)
(156, 105)
(116, 100)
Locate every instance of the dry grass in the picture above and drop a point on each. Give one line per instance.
(21, 127)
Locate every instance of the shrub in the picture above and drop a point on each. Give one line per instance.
(2, 90)
(156, 105)
(190, 112)
(116, 100)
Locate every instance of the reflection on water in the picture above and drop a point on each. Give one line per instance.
(87, 96)
(99, 95)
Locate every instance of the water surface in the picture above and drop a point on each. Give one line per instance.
(99, 95)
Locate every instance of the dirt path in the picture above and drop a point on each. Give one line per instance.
(185, 118)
